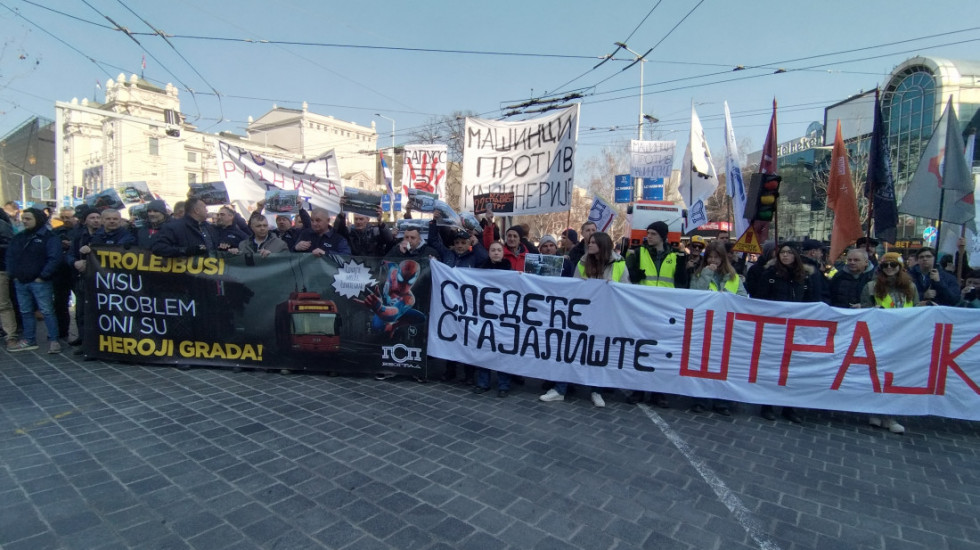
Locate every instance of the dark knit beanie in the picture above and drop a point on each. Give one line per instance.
(660, 228)
(157, 206)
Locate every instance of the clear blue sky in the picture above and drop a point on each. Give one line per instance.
(694, 63)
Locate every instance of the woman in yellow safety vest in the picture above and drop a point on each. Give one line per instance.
(600, 262)
(716, 272)
(892, 287)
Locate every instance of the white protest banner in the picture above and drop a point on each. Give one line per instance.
(424, 168)
(651, 159)
(601, 214)
(909, 361)
(248, 175)
(532, 159)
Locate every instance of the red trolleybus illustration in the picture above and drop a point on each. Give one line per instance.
(307, 323)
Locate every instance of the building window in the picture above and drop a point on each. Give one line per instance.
(191, 156)
(154, 146)
(191, 177)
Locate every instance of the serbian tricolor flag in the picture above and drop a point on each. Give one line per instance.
(387, 174)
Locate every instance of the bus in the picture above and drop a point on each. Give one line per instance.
(647, 212)
(307, 323)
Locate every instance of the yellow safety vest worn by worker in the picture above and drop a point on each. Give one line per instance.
(888, 303)
(731, 285)
(665, 277)
(618, 268)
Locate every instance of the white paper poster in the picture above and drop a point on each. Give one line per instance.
(532, 159)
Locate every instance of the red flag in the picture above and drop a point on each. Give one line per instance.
(841, 199)
(767, 165)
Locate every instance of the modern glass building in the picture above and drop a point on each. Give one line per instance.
(911, 103)
(912, 100)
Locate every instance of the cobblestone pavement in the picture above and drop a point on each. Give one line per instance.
(98, 456)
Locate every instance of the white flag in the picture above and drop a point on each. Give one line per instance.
(951, 232)
(698, 178)
(601, 214)
(734, 186)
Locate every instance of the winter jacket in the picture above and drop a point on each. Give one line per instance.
(330, 242)
(6, 235)
(34, 254)
(230, 236)
(184, 237)
(475, 256)
(774, 287)
(845, 288)
(947, 289)
(516, 260)
(120, 237)
(272, 243)
(146, 233)
(373, 240)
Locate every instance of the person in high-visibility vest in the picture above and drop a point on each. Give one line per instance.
(716, 274)
(603, 263)
(655, 264)
(891, 288)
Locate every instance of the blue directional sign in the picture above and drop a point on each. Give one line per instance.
(386, 202)
(653, 189)
(624, 188)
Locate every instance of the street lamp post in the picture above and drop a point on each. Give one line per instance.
(641, 59)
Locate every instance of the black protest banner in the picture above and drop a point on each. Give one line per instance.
(284, 311)
(498, 202)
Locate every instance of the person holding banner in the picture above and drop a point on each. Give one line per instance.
(654, 263)
(319, 239)
(262, 241)
(935, 286)
(716, 274)
(786, 278)
(156, 216)
(495, 260)
(603, 263)
(514, 250)
(190, 235)
(891, 288)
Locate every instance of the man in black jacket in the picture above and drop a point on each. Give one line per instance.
(191, 235)
(156, 216)
(320, 239)
(32, 259)
(847, 284)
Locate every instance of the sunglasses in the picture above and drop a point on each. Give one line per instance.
(886, 265)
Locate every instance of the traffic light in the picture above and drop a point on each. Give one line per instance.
(768, 193)
(761, 197)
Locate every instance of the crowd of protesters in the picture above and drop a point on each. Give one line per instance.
(42, 263)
